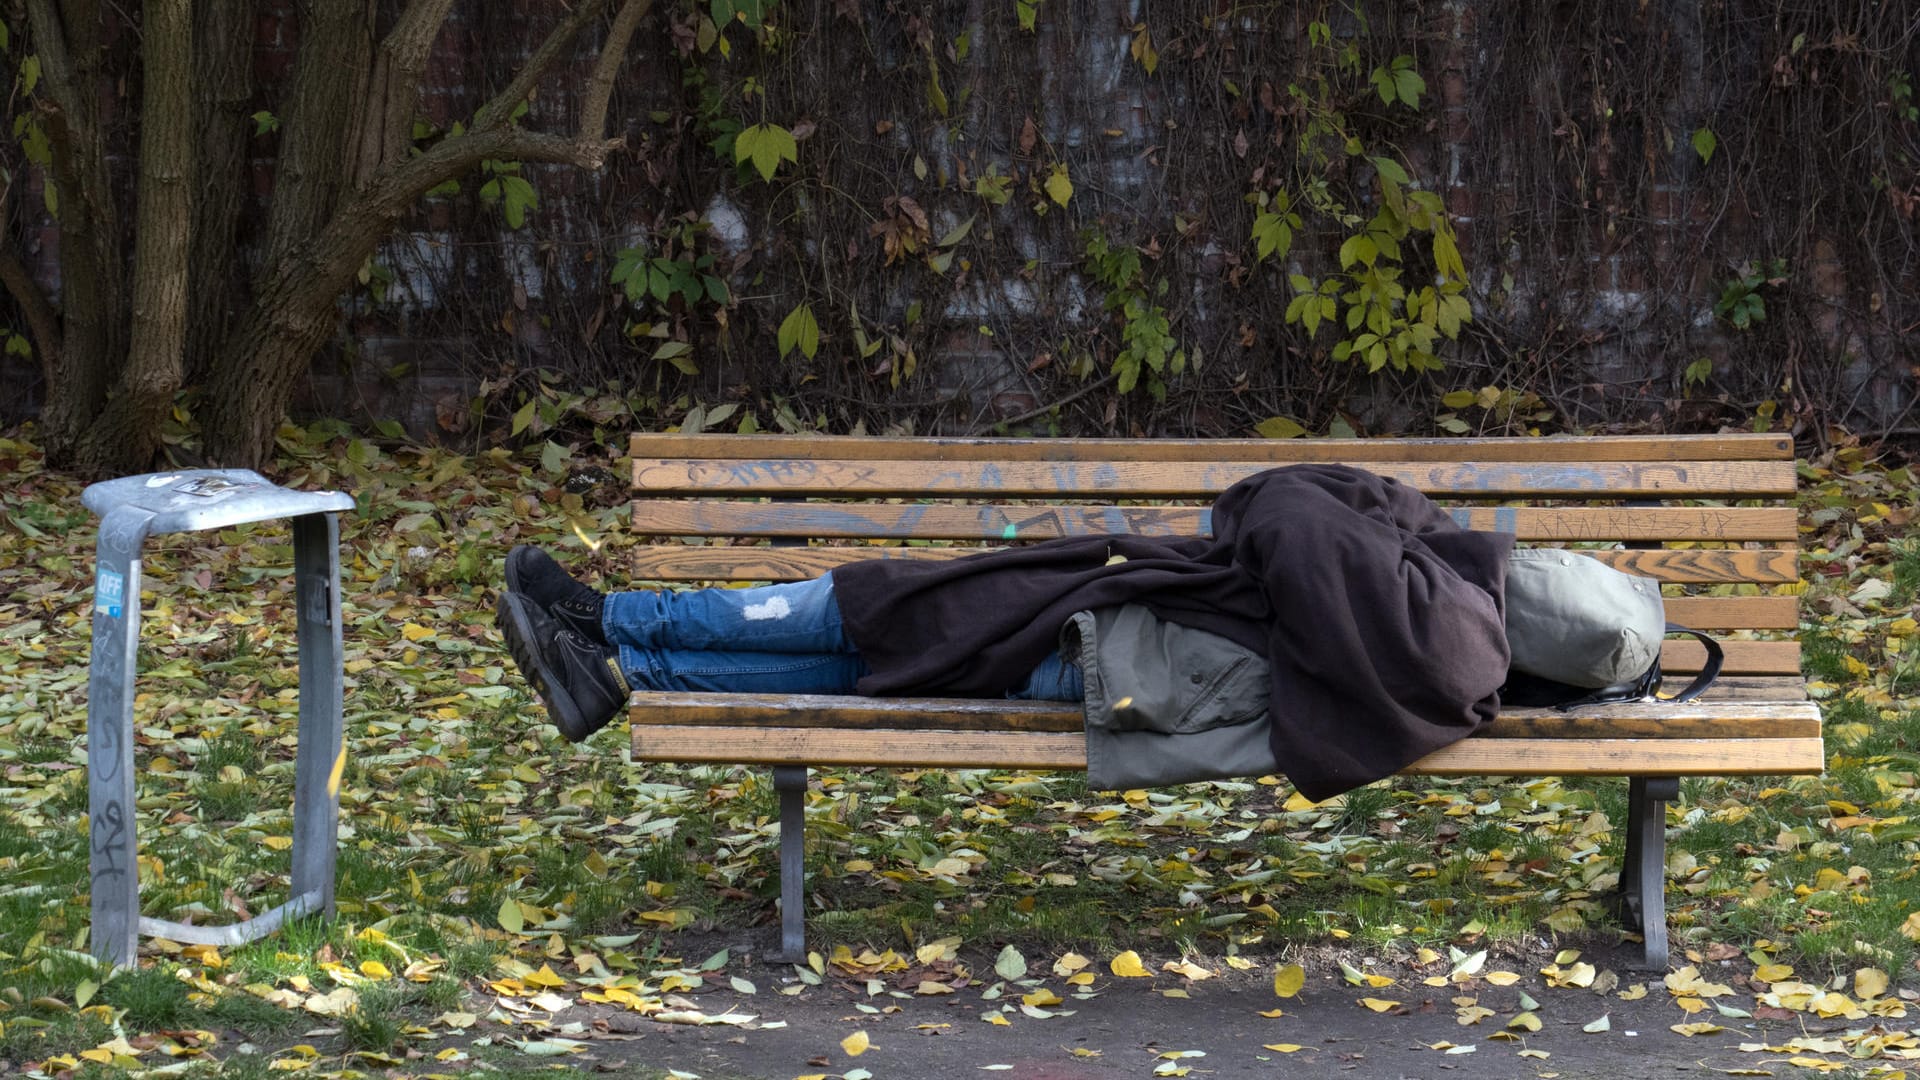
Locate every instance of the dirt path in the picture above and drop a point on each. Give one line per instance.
(1131, 1027)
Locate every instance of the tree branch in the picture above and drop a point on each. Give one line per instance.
(394, 85)
(496, 112)
(593, 103)
(43, 322)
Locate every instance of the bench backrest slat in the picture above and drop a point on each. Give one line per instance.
(1734, 447)
(710, 563)
(1709, 515)
(1011, 521)
(1189, 479)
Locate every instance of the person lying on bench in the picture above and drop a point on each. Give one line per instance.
(1336, 626)
(585, 651)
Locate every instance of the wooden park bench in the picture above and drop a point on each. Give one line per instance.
(1692, 511)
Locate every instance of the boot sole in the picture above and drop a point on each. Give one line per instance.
(517, 627)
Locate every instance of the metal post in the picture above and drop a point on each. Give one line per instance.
(112, 846)
(1643, 872)
(131, 509)
(322, 753)
(791, 782)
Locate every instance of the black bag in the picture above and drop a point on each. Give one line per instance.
(1531, 690)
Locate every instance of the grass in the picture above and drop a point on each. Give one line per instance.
(454, 801)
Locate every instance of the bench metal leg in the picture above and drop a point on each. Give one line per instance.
(791, 782)
(1643, 873)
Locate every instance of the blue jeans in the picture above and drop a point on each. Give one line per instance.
(772, 639)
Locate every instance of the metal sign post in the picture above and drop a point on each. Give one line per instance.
(131, 509)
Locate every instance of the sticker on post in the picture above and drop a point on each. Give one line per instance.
(211, 488)
(109, 593)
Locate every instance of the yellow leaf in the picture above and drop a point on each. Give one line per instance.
(416, 632)
(1633, 993)
(1379, 1005)
(1690, 1005)
(997, 1020)
(1911, 928)
(1703, 1027)
(1502, 978)
(1059, 188)
(1526, 1021)
(1288, 980)
(1273, 1014)
(1128, 966)
(1174, 993)
(1187, 968)
(374, 969)
(1069, 964)
(1042, 996)
(104, 1057)
(1080, 978)
(1774, 973)
(278, 843)
(855, 1044)
(1869, 983)
(545, 977)
(1282, 1048)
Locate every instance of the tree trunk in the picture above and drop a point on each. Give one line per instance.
(320, 129)
(223, 66)
(125, 436)
(94, 335)
(312, 257)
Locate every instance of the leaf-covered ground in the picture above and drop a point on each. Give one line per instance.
(502, 892)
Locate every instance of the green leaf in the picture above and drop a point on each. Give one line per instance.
(679, 354)
(1409, 86)
(523, 416)
(936, 96)
(1010, 965)
(1704, 142)
(516, 197)
(1271, 235)
(29, 74)
(1458, 399)
(800, 330)
(1279, 427)
(1358, 249)
(1697, 372)
(1391, 169)
(958, 233)
(265, 122)
(511, 919)
(767, 145)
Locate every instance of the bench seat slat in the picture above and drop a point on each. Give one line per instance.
(1049, 750)
(1733, 447)
(1014, 719)
(998, 521)
(710, 562)
(1191, 479)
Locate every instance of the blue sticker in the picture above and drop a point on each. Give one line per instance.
(109, 592)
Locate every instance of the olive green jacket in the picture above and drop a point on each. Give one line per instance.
(1167, 704)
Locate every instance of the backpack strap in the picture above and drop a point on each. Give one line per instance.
(1646, 687)
(1708, 671)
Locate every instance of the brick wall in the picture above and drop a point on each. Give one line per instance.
(1596, 238)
